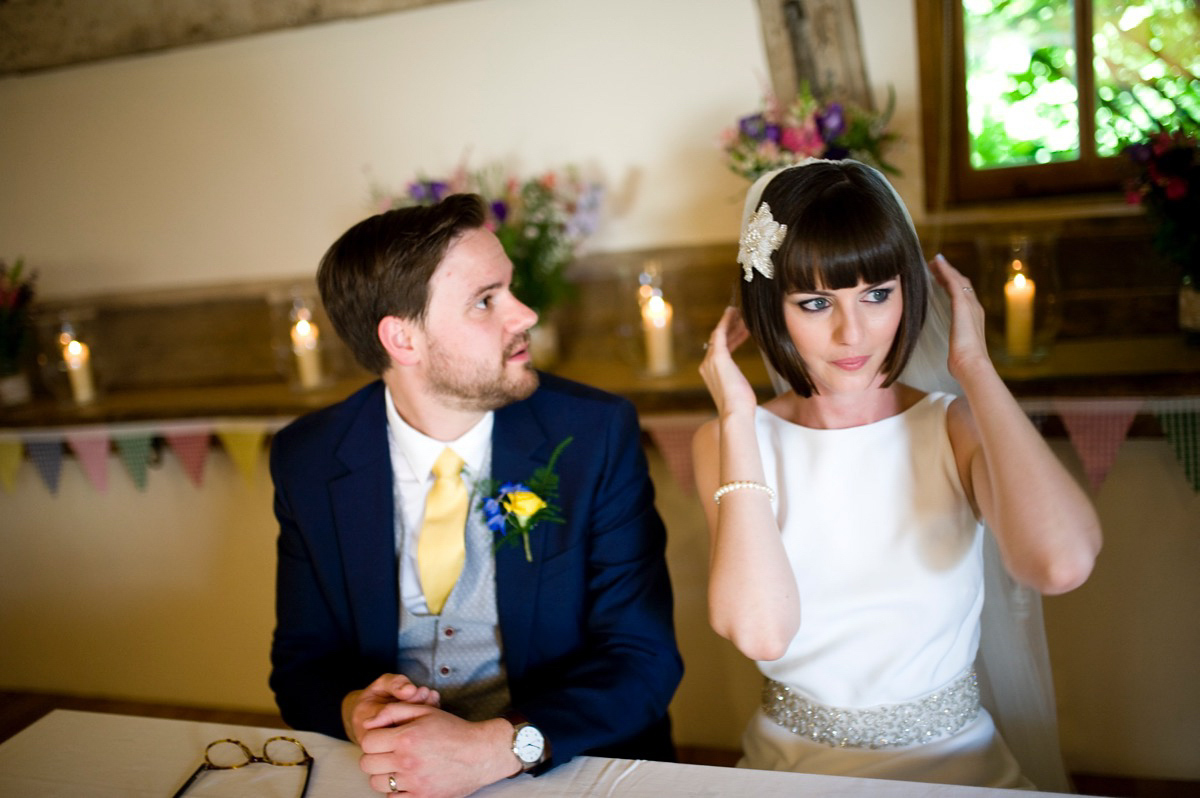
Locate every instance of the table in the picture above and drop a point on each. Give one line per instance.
(70, 753)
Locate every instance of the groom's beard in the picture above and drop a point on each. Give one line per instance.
(480, 383)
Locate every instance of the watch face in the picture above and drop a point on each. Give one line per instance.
(528, 744)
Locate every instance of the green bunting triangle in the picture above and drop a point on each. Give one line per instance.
(134, 451)
(1182, 429)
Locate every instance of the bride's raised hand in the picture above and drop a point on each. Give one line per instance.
(729, 387)
(968, 345)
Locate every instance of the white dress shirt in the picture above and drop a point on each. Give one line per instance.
(413, 454)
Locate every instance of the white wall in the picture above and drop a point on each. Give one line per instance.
(246, 158)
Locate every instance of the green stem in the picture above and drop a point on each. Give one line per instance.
(528, 553)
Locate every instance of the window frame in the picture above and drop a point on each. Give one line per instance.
(950, 180)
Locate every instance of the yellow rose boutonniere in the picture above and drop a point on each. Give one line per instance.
(524, 504)
(516, 508)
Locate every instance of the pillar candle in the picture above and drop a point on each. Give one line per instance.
(77, 356)
(656, 324)
(308, 359)
(1018, 315)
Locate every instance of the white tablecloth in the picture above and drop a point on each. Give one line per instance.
(70, 753)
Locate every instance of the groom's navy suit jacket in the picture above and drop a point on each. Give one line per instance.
(587, 632)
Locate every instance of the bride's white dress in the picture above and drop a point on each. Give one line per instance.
(888, 561)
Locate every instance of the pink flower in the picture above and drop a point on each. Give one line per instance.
(1177, 188)
(803, 140)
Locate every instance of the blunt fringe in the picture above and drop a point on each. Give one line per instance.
(382, 266)
(845, 225)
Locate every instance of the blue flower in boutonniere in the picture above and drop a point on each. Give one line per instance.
(516, 508)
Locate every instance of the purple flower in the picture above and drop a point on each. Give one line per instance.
(499, 211)
(831, 121)
(1139, 153)
(427, 190)
(754, 126)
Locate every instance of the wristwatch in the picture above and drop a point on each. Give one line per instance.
(529, 744)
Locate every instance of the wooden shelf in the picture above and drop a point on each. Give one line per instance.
(1150, 366)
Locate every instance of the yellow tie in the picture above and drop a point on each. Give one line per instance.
(440, 548)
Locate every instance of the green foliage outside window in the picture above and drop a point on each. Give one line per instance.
(1022, 62)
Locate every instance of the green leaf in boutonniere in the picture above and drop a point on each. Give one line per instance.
(515, 508)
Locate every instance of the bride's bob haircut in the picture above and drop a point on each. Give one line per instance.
(845, 224)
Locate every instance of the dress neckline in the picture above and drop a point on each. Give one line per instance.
(925, 400)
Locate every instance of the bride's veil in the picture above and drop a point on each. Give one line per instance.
(1013, 662)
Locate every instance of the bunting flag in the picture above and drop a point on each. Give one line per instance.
(1097, 428)
(191, 447)
(11, 453)
(91, 450)
(673, 437)
(47, 458)
(135, 451)
(1182, 428)
(244, 445)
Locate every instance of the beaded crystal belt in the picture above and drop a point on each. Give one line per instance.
(927, 719)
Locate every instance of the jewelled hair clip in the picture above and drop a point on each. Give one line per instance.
(762, 236)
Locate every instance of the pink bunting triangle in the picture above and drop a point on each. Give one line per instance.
(47, 458)
(1097, 430)
(191, 448)
(91, 450)
(673, 437)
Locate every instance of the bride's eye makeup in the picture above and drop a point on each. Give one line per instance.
(877, 295)
(813, 304)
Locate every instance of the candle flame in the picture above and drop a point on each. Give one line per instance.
(74, 348)
(657, 311)
(1019, 281)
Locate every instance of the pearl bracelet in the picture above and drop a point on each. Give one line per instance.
(729, 487)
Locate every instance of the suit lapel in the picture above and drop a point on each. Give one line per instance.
(364, 517)
(519, 446)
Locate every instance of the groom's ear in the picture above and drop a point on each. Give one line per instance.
(398, 337)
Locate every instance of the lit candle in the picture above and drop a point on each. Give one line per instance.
(76, 355)
(656, 323)
(1018, 314)
(308, 359)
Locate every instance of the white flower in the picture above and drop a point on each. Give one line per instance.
(762, 236)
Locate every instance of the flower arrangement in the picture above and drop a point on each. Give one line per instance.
(540, 221)
(779, 135)
(516, 509)
(16, 329)
(1168, 185)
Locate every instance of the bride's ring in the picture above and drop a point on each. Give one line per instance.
(706, 346)
(967, 289)
(392, 783)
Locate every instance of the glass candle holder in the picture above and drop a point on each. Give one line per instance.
(69, 355)
(1019, 290)
(300, 339)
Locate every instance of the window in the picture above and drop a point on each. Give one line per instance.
(1026, 98)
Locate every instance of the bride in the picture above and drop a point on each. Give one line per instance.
(848, 514)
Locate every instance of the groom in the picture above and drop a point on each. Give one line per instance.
(400, 625)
